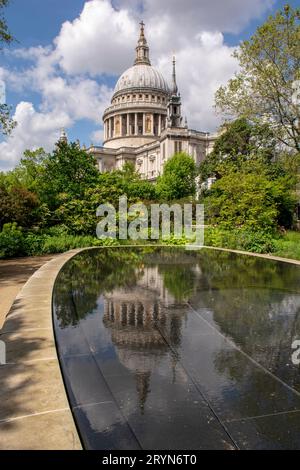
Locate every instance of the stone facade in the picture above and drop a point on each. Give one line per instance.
(143, 124)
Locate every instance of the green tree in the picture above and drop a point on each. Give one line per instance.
(265, 86)
(79, 214)
(6, 123)
(178, 178)
(251, 197)
(5, 36)
(29, 172)
(240, 141)
(68, 170)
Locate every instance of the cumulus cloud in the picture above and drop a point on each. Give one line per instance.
(87, 44)
(101, 40)
(64, 100)
(100, 43)
(201, 69)
(34, 130)
(190, 16)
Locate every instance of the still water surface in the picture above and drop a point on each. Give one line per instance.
(162, 348)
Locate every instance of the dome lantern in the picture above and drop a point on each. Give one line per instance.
(142, 49)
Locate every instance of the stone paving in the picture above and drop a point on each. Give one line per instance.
(13, 275)
(34, 410)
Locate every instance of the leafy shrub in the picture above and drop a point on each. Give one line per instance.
(177, 241)
(19, 205)
(12, 241)
(288, 245)
(34, 244)
(69, 242)
(240, 239)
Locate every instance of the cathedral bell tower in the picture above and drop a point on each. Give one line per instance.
(174, 104)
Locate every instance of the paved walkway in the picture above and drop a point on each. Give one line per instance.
(34, 409)
(13, 275)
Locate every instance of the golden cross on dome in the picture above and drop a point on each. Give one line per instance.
(142, 26)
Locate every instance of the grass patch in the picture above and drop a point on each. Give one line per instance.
(288, 245)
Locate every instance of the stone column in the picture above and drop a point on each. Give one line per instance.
(114, 132)
(144, 124)
(111, 127)
(135, 124)
(152, 124)
(159, 124)
(128, 125)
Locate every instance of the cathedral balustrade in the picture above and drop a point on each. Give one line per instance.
(134, 104)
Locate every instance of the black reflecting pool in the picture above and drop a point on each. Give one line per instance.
(164, 348)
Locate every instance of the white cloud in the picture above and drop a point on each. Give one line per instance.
(191, 16)
(64, 100)
(102, 39)
(101, 42)
(87, 44)
(33, 131)
(201, 70)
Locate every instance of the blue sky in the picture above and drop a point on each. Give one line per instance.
(58, 76)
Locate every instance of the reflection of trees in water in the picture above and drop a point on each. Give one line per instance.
(257, 304)
(179, 271)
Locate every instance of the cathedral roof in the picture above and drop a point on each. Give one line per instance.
(142, 76)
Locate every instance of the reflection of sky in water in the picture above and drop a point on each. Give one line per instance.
(172, 341)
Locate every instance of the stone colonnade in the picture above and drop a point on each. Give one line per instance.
(132, 313)
(134, 124)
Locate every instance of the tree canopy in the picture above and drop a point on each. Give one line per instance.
(6, 123)
(267, 86)
(178, 178)
(5, 36)
(240, 141)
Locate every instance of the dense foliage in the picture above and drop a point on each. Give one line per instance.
(267, 84)
(254, 185)
(178, 178)
(48, 202)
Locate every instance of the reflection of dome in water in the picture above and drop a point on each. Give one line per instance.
(140, 361)
(143, 328)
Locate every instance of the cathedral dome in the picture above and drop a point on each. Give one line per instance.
(141, 76)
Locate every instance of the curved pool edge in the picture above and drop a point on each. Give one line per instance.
(258, 255)
(35, 412)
